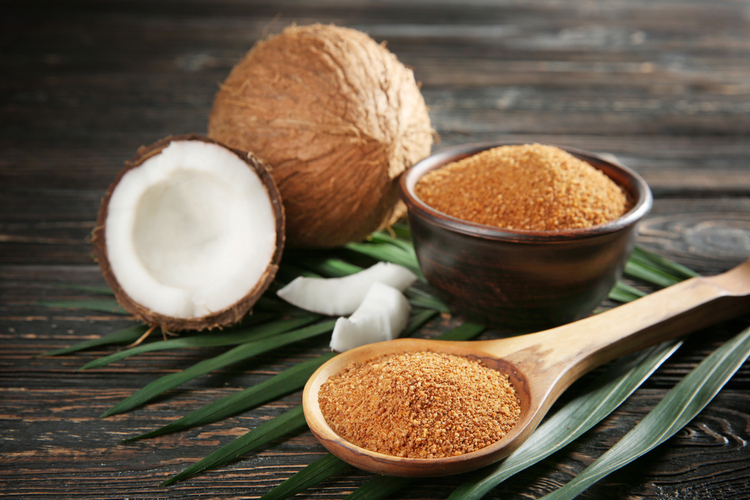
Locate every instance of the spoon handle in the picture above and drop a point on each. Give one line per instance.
(571, 350)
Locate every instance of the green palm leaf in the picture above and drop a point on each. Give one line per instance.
(622, 292)
(420, 298)
(676, 410)
(322, 265)
(290, 421)
(285, 382)
(125, 336)
(405, 245)
(389, 253)
(321, 469)
(235, 355)
(239, 336)
(645, 257)
(650, 274)
(655, 269)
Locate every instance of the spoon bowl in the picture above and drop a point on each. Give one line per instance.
(541, 365)
(391, 465)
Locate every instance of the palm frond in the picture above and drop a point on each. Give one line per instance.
(290, 421)
(675, 411)
(235, 355)
(240, 336)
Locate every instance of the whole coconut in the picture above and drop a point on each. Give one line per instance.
(337, 118)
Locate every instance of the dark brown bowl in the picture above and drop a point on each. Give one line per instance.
(519, 280)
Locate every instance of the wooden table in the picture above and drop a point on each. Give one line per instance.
(663, 86)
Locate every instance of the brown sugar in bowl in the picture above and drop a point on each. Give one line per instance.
(522, 280)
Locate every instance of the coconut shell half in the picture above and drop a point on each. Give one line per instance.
(337, 117)
(200, 242)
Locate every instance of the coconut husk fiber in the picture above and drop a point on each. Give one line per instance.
(337, 118)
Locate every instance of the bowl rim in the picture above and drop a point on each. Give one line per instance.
(622, 175)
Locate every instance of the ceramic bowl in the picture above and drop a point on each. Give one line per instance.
(515, 280)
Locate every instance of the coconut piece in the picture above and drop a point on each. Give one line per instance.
(342, 296)
(337, 117)
(190, 234)
(383, 315)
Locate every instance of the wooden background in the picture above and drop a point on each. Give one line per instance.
(662, 85)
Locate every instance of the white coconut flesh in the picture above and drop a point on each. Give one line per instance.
(382, 315)
(190, 231)
(342, 296)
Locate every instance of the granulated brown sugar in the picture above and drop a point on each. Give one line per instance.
(530, 187)
(420, 405)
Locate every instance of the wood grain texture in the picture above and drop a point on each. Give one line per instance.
(663, 86)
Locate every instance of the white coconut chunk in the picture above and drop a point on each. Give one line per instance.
(383, 315)
(190, 231)
(342, 296)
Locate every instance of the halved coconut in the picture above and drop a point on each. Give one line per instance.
(190, 233)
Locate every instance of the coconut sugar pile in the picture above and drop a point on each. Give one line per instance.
(529, 187)
(420, 405)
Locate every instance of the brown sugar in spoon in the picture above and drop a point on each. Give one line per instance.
(542, 365)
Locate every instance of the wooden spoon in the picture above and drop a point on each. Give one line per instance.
(542, 365)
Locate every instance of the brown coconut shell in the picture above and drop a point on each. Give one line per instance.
(337, 117)
(225, 317)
